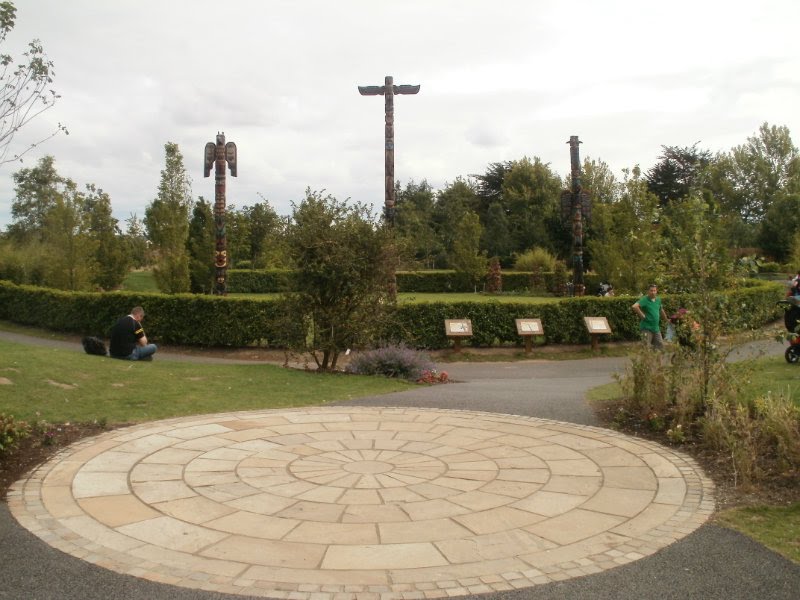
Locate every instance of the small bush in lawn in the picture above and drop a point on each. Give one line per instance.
(11, 432)
(391, 361)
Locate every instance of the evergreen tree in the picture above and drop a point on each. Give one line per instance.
(167, 222)
(201, 245)
(466, 256)
(136, 244)
(677, 173)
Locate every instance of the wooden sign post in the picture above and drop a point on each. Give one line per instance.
(527, 328)
(456, 329)
(596, 326)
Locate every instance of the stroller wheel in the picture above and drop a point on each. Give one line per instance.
(792, 354)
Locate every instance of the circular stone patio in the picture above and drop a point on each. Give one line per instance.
(330, 503)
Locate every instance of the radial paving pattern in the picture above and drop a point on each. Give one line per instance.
(333, 503)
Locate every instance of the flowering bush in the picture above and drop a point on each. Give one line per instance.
(391, 361)
(433, 376)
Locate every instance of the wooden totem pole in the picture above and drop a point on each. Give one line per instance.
(388, 91)
(217, 155)
(575, 210)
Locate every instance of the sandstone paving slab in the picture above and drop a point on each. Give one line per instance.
(337, 502)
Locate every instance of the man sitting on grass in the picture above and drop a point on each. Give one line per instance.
(128, 340)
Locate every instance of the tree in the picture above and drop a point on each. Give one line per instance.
(531, 195)
(677, 173)
(343, 269)
(136, 243)
(167, 222)
(73, 233)
(111, 257)
(37, 190)
(237, 227)
(622, 245)
(694, 248)
(201, 246)
(24, 88)
(452, 203)
(598, 180)
(265, 245)
(414, 226)
(466, 256)
(490, 184)
(66, 235)
(749, 178)
(779, 228)
(496, 234)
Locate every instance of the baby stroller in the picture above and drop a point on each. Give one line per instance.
(605, 289)
(682, 329)
(791, 317)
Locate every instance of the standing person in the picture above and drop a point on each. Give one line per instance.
(650, 312)
(128, 339)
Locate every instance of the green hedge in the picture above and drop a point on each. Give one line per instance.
(246, 281)
(493, 323)
(173, 319)
(216, 321)
(265, 281)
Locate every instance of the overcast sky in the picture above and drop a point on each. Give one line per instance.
(500, 80)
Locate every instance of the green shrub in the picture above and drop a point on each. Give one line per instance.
(535, 259)
(11, 432)
(769, 267)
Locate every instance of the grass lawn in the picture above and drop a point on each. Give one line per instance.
(140, 281)
(774, 375)
(65, 386)
(777, 528)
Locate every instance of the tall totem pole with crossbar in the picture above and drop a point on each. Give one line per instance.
(217, 155)
(388, 90)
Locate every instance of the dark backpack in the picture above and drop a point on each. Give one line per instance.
(94, 345)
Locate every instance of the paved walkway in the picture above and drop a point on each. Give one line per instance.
(376, 502)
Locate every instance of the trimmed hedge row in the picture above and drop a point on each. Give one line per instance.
(267, 281)
(215, 321)
(493, 323)
(185, 319)
(262, 281)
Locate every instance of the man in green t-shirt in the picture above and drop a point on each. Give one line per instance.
(649, 310)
